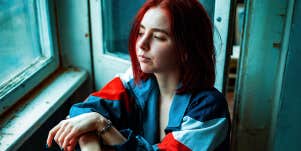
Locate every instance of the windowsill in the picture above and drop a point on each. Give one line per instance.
(24, 118)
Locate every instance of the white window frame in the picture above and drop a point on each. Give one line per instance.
(17, 87)
(106, 64)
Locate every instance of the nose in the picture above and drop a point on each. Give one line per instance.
(144, 42)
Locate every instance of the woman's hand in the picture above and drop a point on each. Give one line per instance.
(67, 132)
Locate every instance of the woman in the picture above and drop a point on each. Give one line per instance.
(171, 103)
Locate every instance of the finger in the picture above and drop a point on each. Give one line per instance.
(59, 133)
(72, 144)
(70, 135)
(67, 136)
(51, 134)
(70, 148)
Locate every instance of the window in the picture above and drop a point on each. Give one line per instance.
(26, 50)
(117, 18)
(110, 24)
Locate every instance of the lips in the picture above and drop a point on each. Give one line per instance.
(144, 59)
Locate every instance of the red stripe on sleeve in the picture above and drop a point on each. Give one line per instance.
(112, 91)
(115, 91)
(169, 143)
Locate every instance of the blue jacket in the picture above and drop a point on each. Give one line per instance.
(198, 122)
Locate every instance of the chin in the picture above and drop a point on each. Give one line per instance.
(146, 69)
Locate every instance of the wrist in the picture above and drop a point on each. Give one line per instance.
(99, 121)
(101, 130)
(102, 125)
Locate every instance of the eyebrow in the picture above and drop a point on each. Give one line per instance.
(156, 29)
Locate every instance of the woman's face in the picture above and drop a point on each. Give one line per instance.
(155, 46)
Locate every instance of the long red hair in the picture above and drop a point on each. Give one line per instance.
(191, 30)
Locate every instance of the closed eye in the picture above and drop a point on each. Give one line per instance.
(140, 34)
(160, 38)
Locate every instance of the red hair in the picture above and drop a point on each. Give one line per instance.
(191, 30)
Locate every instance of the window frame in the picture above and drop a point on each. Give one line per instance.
(18, 86)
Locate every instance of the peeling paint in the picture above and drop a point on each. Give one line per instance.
(282, 15)
(276, 44)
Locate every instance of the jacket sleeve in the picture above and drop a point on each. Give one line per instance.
(112, 101)
(204, 127)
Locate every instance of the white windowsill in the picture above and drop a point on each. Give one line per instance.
(20, 122)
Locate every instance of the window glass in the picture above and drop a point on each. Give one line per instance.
(27, 55)
(19, 40)
(117, 18)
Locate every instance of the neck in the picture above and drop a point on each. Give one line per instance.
(168, 83)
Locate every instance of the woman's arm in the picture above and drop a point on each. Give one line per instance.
(67, 132)
(89, 142)
(112, 137)
(112, 101)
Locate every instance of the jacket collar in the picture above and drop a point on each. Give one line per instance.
(180, 102)
(144, 89)
(177, 110)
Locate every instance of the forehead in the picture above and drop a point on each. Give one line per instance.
(156, 17)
